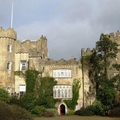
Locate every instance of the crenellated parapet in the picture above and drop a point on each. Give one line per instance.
(9, 33)
(43, 37)
(51, 62)
(88, 51)
(114, 36)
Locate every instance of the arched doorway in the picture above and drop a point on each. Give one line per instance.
(62, 109)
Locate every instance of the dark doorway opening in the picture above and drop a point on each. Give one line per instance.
(62, 109)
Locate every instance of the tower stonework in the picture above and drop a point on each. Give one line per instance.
(7, 58)
(35, 48)
(13, 51)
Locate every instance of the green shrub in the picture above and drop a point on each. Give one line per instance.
(48, 114)
(14, 100)
(20, 113)
(83, 112)
(54, 110)
(114, 112)
(97, 108)
(70, 112)
(13, 112)
(38, 111)
(4, 96)
(27, 101)
(5, 111)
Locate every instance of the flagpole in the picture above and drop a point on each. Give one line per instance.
(12, 16)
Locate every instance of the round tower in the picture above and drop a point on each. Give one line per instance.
(7, 58)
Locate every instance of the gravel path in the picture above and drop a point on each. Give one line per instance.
(76, 118)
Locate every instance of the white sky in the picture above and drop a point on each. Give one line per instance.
(69, 25)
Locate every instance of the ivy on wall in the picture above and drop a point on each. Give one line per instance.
(75, 91)
(31, 77)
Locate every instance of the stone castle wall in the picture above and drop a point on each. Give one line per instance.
(7, 37)
(36, 48)
(34, 52)
(20, 50)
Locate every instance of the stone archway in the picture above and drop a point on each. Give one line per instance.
(62, 109)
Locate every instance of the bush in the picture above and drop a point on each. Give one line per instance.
(114, 112)
(4, 96)
(54, 110)
(97, 108)
(48, 114)
(14, 100)
(13, 112)
(70, 112)
(20, 113)
(83, 112)
(27, 101)
(5, 111)
(38, 111)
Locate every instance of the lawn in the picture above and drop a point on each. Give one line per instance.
(76, 118)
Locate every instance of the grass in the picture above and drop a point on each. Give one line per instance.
(73, 117)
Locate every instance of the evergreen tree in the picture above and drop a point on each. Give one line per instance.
(99, 63)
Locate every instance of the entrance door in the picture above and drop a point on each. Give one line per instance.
(62, 109)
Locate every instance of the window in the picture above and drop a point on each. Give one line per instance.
(22, 89)
(9, 65)
(9, 48)
(60, 73)
(62, 91)
(22, 65)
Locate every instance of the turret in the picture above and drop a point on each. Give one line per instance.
(9, 33)
(7, 57)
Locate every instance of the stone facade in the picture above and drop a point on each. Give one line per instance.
(7, 58)
(16, 55)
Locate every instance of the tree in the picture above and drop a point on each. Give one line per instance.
(107, 49)
(98, 63)
(106, 95)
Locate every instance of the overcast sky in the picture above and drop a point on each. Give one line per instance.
(69, 25)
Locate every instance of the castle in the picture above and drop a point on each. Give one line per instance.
(15, 55)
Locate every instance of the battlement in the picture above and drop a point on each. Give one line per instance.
(43, 37)
(52, 62)
(88, 51)
(114, 36)
(34, 41)
(9, 33)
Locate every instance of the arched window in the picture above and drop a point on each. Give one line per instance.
(9, 65)
(9, 48)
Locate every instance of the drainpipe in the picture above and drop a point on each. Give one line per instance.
(82, 62)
